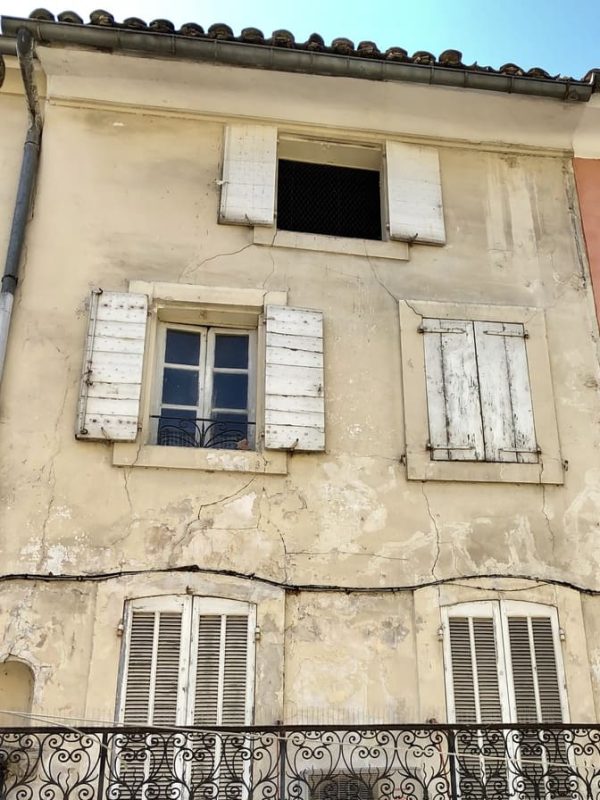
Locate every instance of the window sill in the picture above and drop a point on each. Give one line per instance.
(269, 462)
(271, 237)
(420, 467)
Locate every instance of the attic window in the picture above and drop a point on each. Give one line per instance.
(328, 199)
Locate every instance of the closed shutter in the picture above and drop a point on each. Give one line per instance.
(474, 666)
(414, 193)
(294, 382)
(249, 170)
(506, 408)
(453, 405)
(154, 680)
(537, 696)
(223, 675)
(109, 403)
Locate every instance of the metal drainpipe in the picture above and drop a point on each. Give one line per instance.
(29, 167)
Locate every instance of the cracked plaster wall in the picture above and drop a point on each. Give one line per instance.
(125, 196)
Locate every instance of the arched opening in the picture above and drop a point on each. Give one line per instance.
(16, 693)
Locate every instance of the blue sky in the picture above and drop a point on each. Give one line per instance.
(562, 37)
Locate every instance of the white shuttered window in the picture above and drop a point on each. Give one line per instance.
(503, 663)
(478, 393)
(188, 661)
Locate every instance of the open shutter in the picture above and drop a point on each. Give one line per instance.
(224, 668)
(294, 393)
(414, 193)
(506, 407)
(249, 169)
(109, 402)
(533, 661)
(455, 429)
(156, 665)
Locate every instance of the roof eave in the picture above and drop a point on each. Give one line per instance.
(161, 45)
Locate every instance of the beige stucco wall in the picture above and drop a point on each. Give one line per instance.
(126, 196)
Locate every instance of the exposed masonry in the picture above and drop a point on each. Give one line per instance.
(285, 39)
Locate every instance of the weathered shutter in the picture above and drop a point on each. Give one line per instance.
(222, 694)
(533, 658)
(506, 408)
(455, 428)
(414, 191)
(294, 389)
(249, 169)
(155, 668)
(109, 403)
(474, 670)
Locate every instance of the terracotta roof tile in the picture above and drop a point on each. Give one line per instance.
(342, 46)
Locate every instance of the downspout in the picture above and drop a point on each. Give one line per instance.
(29, 168)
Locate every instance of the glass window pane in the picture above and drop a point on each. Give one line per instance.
(183, 347)
(231, 351)
(229, 391)
(177, 428)
(180, 386)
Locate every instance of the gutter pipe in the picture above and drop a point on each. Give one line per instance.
(29, 168)
(240, 54)
(8, 47)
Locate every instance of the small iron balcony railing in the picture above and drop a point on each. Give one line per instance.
(387, 762)
(172, 431)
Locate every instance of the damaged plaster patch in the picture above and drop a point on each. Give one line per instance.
(236, 513)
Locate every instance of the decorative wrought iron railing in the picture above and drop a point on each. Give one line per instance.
(232, 434)
(387, 762)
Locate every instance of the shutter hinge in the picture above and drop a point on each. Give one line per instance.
(257, 633)
(440, 633)
(423, 329)
(120, 628)
(433, 448)
(561, 634)
(523, 335)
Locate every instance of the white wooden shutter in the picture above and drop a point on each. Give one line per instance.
(222, 663)
(506, 407)
(294, 388)
(249, 170)
(534, 667)
(474, 680)
(155, 672)
(414, 191)
(455, 426)
(109, 403)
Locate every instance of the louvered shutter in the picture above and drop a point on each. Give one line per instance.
(414, 192)
(109, 403)
(506, 407)
(155, 670)
(223, 669)
(475, 682)
(533, 658)
(454, 411)
(249, 170)
(294, 382)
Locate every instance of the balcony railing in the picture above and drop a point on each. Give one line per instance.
(387, 762)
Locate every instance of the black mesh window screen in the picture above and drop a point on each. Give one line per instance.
(335, 201)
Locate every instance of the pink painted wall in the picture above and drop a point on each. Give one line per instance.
(587, 177)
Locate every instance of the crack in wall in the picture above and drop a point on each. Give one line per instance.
(189, 270)
(438, 541)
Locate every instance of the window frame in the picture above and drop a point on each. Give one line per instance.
(191, 607)
(205, 369)
(419, 464)
(201, 305)
(499, 610)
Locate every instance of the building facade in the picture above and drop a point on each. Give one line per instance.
(300, 405)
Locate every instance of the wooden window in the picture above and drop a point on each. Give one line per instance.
(503, 665)
(188, 661)
(331, 188)
(478, 394)
(206, 387)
